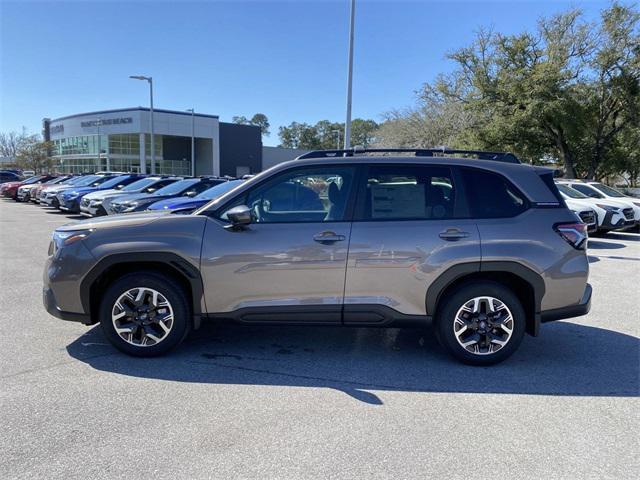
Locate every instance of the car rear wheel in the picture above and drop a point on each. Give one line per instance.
(145, 314)
(481, 323)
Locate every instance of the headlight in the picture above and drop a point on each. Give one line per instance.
(71, 195)
(95, 203)
(63, 238)
(608, 208)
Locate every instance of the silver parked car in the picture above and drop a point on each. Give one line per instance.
(484, 249)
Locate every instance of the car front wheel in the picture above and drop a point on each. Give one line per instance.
(481, 323)
(145, 314)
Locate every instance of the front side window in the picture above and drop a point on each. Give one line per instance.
(408, 192)
(490, 195)
(315, 194)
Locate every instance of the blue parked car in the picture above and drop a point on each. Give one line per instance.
(70, 199)
(187, 204)
(189, 188)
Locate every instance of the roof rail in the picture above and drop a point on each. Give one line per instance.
(418, 152)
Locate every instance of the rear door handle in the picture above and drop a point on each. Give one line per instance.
(453, 234)
(328, 237)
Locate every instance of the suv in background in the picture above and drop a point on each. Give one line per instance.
(10, 189)
(485, 250)
(188, 187)
(608, 216)
(624, 213)
(189, 204)
(6, 176)
(70, 199)
(95, 204)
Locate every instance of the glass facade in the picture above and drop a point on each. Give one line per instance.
(80, 154)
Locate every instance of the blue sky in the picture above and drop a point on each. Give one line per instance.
(285, 59)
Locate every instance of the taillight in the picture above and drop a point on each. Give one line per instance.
(575, 234)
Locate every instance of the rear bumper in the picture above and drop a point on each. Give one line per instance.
(570, 311)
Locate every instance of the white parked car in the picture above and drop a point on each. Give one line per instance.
(603, 192)
(611, 214)
(586, 213)
(96, 204)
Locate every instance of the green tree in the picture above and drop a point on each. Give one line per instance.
(566, 90)
(258, 120)
(33, 154)
(326, 135)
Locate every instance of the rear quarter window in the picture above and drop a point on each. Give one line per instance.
(490, 195)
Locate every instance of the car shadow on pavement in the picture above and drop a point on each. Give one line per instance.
(629, 236)
(599, 244)
(567, 359)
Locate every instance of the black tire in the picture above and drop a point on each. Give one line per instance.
(459, 297)
(166, 286)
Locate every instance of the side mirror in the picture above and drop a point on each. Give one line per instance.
(239, 217)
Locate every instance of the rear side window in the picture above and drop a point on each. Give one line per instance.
(408, 192)
(490, 195)
(547, 178)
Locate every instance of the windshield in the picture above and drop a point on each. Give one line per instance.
(31, 180)
(218, 190)
(570, 192)
(177, 187)
(88, 180)
(612, 192)
(115, 181)
(139, 184)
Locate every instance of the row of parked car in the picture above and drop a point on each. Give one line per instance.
(108, 193)
(601, 207)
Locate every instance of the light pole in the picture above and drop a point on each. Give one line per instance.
(99, 146)
(337, 132)
(347, 123)
(153, 144)
(193, 144)
(98, 123)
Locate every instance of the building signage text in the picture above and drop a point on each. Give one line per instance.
(107, 121)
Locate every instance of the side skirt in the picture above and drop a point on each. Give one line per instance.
(329, 315)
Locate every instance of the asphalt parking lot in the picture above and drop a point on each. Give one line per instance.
(265, 402)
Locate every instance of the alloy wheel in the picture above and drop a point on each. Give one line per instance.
(483, 325)
(142, 317)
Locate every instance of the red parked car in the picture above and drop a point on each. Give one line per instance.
(10, 189)
(34, 194)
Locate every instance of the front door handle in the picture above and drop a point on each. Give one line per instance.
(328, 237)
(453, 234)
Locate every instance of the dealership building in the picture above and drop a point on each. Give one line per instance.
(120, 140)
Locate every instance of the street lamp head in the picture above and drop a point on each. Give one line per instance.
(189, 110)
(140, 77)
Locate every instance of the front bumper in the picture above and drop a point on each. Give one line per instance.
(50, 304)
(49, 200)
(69, 205)
(577, 310)
(23, 196)
(89, 210)
(616, 221)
